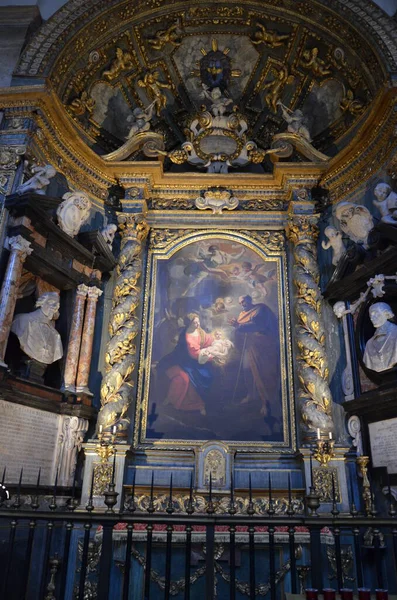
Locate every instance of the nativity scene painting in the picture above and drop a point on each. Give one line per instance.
(215, 357)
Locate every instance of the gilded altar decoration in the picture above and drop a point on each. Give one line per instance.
(79, 106)
(116, 389)
(267, 37)
(215, 355)
(326, 484)
(311, 60)
(215, 67)
(275, 88)
(217, 200)
(10, 157)
(102, 477)
(123, 62)
(350, 104)
(160, 238)
(172, 36)
(315, 395)
(153, 87)
(215, 468)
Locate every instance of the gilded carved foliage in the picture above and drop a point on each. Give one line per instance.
(273, 241)
(124, 326)
(315, 396)
(160, 238)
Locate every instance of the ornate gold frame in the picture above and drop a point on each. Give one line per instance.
(164, 251)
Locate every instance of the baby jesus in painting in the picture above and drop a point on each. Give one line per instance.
(218, 351)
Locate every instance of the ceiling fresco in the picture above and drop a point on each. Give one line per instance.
(266, 60)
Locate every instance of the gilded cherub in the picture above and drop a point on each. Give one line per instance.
(348, 103)
(122, 62)
(276, 87)
(312, 61)
(79, 106)
(153, 87)
(270, 38)
(166, 36)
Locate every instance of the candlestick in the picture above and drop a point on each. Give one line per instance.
(289, 488)
(270, 488)
(210, 486)
(318, 433)
(250, 487)
(38, 480)
(191, 488)
(114, 466)
(333, 489)
(100, 428)
(171, 488)
(311, 472)
(74, 485)
(133, 485)
(330, 435)
(92, 485)
(20, 482)
(231, 489)
(151, 487)
(4, 476)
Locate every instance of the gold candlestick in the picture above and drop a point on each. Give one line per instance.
(324, 451)
(362, 463)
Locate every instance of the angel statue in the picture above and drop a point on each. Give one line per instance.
(296, 121)
(271, 38)
(312, 61)
(153, 88)
(219, 103)
(140, 120)
(276, 87)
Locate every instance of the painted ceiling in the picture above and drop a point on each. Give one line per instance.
(257, 53)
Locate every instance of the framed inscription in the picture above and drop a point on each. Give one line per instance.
(383, 439)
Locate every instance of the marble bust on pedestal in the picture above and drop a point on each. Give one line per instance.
(36, 331)
(381, 349)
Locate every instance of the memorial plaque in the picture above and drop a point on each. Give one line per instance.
(29, 438)
(383, 437)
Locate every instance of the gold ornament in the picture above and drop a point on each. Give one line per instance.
(123, 62)
(275, 88)
(153, 87)
(270, 38)
(312, 61)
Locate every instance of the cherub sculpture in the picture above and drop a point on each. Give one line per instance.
(335, 242)
(219, 103)
(270, 38)
(312, 61)
(386, 202)
(166, 36)
(122, 62)
(276, 87)
(39, 182)
(153, 88)
(109, 233)
(296, 121)
(140, 120)
(79, 106)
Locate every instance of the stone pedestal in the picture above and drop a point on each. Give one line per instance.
(99, 475)
(19, 250)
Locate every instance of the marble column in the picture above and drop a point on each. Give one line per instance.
(72, 357)
(87, 341)
(314, 395)
(70, 443)
(19, 250)
(124, 326)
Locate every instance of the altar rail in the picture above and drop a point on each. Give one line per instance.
(41, 553)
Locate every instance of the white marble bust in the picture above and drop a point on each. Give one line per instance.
(355, 220)
(381, 349)
(36, 330)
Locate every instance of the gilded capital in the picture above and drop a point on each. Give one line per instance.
(133, 226)
(302, 229)
(82, 290)
(94, 293)
(19, 245)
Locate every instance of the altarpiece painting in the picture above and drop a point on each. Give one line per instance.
(216, 358)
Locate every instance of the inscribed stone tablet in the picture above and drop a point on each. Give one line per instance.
(383, 437)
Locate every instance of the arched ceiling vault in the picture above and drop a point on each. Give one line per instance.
(334, 64)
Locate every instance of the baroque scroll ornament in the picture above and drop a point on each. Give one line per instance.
(313, 372)
(124, 325)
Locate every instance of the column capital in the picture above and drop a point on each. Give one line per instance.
(302, 229)
(133, 226)
(94, 293)
(82, 290)
(19, 244)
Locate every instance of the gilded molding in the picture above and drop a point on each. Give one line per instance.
(124, 326)
(315, 397)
